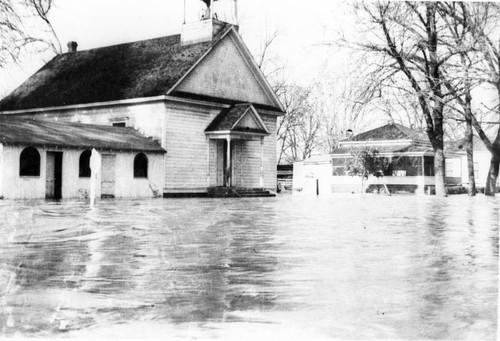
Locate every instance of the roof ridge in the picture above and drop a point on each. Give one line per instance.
(402, 129)
(120, 44)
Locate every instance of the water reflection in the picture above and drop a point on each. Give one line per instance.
(336, 267)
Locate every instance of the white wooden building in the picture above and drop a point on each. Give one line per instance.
(406, 153)
(456, 166)
(41, 159)
(200, 94)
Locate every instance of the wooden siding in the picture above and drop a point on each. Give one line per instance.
(186, 144)
(247, 159)
(184, 167)
(224, 73)
(270, 171)
(214, 146)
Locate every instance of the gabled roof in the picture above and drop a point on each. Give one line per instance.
(392, 131)
(28, 132)
(134, 70)
(229, 121)
(392, 138)
(387, 149)
(137, 70)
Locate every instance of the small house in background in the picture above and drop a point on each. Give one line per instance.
(456, 166)
(200, 94)
(406, 154)
(42, 159)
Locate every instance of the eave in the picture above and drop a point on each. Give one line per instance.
(235, 135)
(80, 147)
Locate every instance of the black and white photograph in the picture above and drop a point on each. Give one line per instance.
(249, 170)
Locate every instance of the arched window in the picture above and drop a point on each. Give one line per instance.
(141, 166)
(84, 164)
(29, 162)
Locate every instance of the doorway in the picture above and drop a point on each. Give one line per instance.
(53, 177)
(224, 166)
(108, 162)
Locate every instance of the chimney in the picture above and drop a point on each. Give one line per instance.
(72, 45)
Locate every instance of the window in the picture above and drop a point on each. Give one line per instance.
(429, 165)
(141, 166)
(85, 164)
(119, 124)
(29, 162)
(406, 166)
(339, 166)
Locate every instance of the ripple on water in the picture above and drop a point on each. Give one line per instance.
(338, 266)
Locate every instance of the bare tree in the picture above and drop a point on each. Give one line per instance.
(298, 129)
(406, 36)
(16, 37)
(338, 111)
(461, 45)
(42, 9)
(11, 32)
(491, 52)
(472, 26)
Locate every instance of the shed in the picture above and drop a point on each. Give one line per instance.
(43, 159)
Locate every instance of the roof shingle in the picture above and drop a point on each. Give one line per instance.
(139, 69)
(393, 131)
(227, 119)
(28, 132)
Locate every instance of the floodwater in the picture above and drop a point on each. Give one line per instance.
(291, 267)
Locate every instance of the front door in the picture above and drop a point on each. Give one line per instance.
(53, 175)
(108, 162)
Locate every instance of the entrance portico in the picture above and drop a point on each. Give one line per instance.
(236, 132)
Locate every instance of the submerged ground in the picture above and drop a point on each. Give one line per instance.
(347, 266)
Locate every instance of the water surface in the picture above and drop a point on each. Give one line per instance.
(335, 267)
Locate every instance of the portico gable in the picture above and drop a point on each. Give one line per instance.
(233, 128)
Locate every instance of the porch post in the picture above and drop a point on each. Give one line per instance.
(422, 183)
(262, 162)
(208, 161)
(228, 162)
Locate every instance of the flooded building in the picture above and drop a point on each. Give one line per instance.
(200, 94)
(456, 166)
(43, 159)
(406, 156)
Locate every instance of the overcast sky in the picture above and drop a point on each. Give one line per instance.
(302, 28)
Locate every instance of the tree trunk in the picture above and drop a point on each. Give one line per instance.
(439, 172)
(491, 181)
(470, 158)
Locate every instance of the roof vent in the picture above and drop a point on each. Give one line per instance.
(72, 46)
